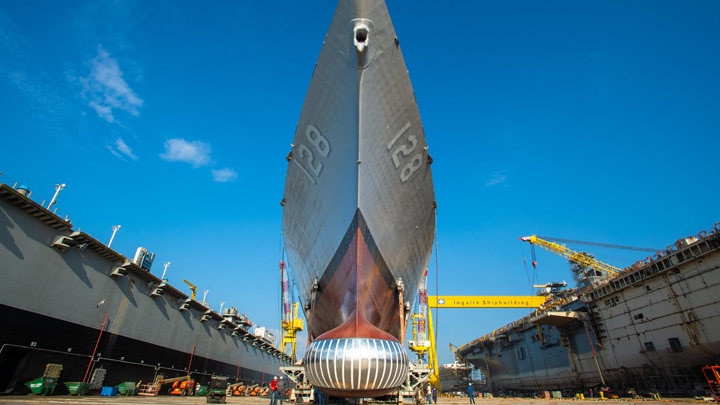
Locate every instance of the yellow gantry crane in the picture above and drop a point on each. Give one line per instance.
(424, 338)
(422, 324)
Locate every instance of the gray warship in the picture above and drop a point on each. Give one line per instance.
(68, 299)
(358, 206)
(649, 328)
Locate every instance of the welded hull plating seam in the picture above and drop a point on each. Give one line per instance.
(356, 363)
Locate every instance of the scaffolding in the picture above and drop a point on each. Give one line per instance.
(712, 376)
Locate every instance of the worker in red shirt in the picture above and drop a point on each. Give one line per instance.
(273, 391)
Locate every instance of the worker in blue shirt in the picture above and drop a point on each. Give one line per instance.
(471, 393)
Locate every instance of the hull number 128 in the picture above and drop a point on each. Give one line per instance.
(309, 158)
(402, 154)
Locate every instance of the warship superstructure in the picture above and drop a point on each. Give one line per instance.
(68, 299)
(359, 205)
(649, 328)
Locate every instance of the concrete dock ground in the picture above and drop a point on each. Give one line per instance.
(166, 399)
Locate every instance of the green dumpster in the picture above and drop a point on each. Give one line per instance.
(126, 388)
(42, 385)
(78, 388)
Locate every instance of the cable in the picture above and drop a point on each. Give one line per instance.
(437, 282)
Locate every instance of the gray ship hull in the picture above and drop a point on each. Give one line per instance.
(359, 209)
(652, 327)
(61, 288)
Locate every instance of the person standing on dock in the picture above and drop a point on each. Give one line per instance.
(273, 391)
(471, 393)
(320, 397)
(280, 390)
(429, 394)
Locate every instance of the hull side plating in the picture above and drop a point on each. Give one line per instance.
(58, 285)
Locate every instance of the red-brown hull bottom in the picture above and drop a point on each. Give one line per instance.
(359, 353)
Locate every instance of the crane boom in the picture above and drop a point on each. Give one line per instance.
(607, 245)
(573, 256)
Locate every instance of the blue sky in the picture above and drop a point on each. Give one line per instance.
(586, 120)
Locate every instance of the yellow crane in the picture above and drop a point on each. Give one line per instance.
(193, 289)
(291, 327)
(453, 350)
(419, 344)
(421, 347)
(291, 324)
(580, 258)
(423, 341)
